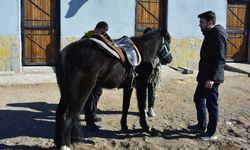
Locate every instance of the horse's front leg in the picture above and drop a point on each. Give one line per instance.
(127, 92)
(141, 99)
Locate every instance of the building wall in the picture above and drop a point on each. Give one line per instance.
(77, 17)
(80, 16)
(10, 49)
(183, 25)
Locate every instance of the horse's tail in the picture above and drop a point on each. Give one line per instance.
(60, 76)
(60, 70)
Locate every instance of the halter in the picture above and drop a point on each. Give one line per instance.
(164, 46)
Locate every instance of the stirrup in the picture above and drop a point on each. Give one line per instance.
(134, 75)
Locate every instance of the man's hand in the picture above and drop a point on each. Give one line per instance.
(209, 84)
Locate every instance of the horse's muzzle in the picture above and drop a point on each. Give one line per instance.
(167, 60)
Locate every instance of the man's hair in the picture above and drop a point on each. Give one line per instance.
(148, 29)
(101, 25)
(208, 16)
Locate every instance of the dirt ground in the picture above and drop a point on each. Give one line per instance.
(27, 114)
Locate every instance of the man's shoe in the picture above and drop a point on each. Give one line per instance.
(97, 118)
(206, 137)
(195, 128)
(151, 112)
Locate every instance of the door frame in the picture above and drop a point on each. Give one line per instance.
(164, 11)
(57, 35)
(248, 33)
(247, 2)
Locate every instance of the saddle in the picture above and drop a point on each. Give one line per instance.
(121, 48)
(131, 51)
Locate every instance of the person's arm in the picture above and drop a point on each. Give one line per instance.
(107, 37)
(217, 59)
(89, 34)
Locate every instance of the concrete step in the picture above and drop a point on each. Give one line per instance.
(238, 67)
(6, 73)
(37, 69)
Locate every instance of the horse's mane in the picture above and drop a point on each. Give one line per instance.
(151, 34)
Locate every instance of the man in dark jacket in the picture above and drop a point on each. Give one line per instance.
(210, 76)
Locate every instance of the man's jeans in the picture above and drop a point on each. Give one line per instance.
(207, 98)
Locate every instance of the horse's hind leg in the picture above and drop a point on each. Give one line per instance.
(76, 133)
(61, 124)
(59, 110)
(69, 107)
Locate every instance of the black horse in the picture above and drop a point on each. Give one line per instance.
(82, 65)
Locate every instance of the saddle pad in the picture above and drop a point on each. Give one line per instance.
(102, 44)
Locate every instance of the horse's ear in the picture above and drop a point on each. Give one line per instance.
(164, 31)
(166, 34)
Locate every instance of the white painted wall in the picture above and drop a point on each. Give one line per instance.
(182, 16)
(79, 16)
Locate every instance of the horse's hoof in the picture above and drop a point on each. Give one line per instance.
(64, 147)
(155, 132)
(125, 128)
(146, 129)
(76, 139)
(81, 140)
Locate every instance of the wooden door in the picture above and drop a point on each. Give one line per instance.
(40, 31)
(149, 13)
(237, 24)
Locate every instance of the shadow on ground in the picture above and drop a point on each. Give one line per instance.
(36, 119)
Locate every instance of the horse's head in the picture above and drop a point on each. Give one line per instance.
(164, 53)
(154, 43)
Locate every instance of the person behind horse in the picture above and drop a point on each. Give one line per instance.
(101, 28)
(152, 82)
(90, 107)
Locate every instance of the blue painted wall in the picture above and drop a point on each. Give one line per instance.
(10, 21)
(79, 16)
(182, 16)
(183, 25)
(10, 50)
